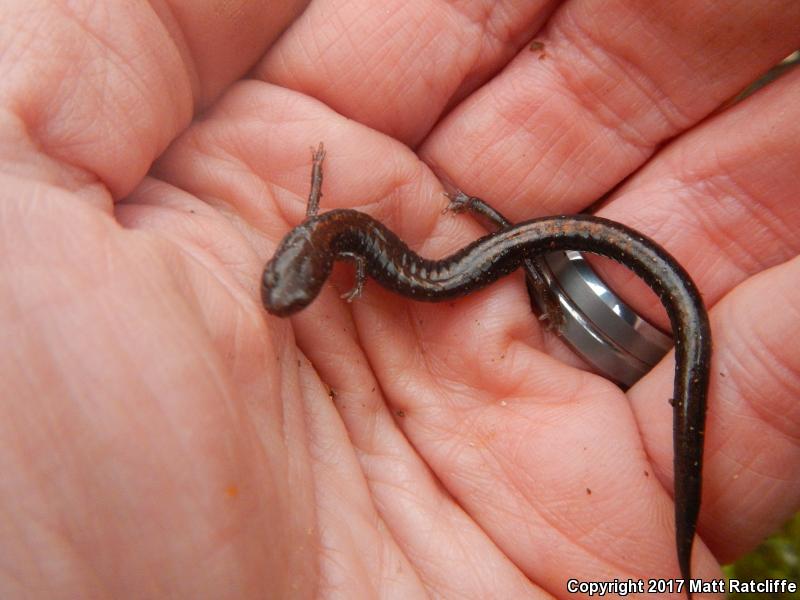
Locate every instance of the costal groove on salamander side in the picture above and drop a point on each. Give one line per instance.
(392, 264)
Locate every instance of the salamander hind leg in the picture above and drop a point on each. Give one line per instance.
(539, 291)
(460, 202)
(361, 275)
(543, 296)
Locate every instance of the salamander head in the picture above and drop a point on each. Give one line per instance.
(294, 276)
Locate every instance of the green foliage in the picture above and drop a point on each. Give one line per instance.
(778, 557)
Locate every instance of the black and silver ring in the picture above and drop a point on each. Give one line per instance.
(598, 325)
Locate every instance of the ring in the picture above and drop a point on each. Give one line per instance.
(598, 325)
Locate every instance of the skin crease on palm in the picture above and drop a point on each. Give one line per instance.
(162, 436)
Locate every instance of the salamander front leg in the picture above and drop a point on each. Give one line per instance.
(361, 274)
(539, 291)
(317, 156)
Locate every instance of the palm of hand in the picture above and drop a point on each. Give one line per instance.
(169, 427)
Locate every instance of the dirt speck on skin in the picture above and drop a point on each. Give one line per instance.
(537, 46)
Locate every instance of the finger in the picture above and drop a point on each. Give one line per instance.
(220, 42)
(360, 556)
(396, 66)
(93, 97)
(556, 130)
(721, 197)
(752, 453)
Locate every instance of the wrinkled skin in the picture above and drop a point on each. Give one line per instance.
(162, 436)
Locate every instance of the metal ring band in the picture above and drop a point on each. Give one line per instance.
(598, 325)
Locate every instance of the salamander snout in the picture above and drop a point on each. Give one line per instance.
(294, 276)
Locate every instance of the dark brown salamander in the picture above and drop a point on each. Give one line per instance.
(304, 260)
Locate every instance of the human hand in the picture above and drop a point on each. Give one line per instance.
(161, 435)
